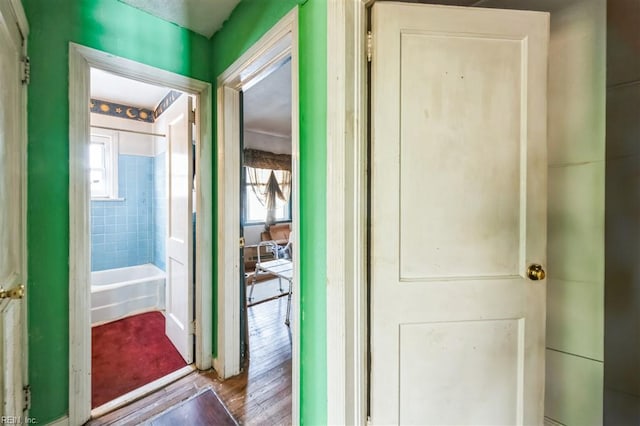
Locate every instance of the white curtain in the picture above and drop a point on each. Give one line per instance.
(277, 185)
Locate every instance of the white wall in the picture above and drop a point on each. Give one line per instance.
(252, 234)
(129, 143)
(265, 142)
(575, 292)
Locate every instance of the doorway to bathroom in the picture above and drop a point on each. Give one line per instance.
(140, 309)
(142, 216)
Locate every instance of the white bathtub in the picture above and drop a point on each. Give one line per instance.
(117, 293)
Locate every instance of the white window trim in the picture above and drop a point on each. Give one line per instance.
(112, 149)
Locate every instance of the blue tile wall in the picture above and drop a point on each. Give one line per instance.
(122, 231)
(159, 210)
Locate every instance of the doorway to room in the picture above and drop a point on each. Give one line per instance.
(258, 203)
(266, 223)
(142, 217)
(167, 164)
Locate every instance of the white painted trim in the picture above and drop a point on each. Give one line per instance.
(141, 392)
(21, 17)
(346, 212)
(80, 60)
(272, 47)
(79, 243)
(23, 26)
(228, 359)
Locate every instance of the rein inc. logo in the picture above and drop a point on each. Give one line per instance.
(17, 420)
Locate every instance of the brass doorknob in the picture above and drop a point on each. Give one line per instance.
(15, 293)
(535, 272)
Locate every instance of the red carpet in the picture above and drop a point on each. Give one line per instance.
(130, 353)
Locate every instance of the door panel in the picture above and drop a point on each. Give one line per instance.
(495, 377)
(12, 214)
(462, 93)
(458, 213)
(179, 285)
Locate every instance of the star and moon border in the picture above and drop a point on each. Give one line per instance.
(133, 113)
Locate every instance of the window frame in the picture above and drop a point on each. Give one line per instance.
(110, 140)
(246, 189)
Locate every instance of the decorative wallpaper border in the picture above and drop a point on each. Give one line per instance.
(165, 103)
(122, 111)
(133, 113)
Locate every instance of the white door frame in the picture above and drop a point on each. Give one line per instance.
(347, 211)
(278, 43)
(15, 8)
(81, 59)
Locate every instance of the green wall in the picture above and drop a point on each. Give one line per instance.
(116, 28)
(110, 26)
(248, 22)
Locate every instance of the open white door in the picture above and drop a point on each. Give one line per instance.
(458, 215)
(179, 284)
(12, 216)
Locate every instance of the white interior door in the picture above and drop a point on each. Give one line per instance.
(179, 284)
(12, 215)
(458, 215)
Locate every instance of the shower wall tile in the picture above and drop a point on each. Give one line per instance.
(121, 234)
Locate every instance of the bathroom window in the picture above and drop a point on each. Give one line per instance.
(103, 163)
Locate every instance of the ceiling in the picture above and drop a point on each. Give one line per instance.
(267, 105)
(112, 88)
(204, 17)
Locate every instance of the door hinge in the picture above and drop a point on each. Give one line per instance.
(26, 391)
(26, 69)
(192, 327)
(369, 46)
(192, 117)
(368, 420)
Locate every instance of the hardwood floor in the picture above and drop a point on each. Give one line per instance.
(261, 395)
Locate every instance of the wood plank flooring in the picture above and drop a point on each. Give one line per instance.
(261, 395)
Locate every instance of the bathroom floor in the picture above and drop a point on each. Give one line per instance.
(129, 353)
(260, 395)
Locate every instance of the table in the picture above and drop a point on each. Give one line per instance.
(283, 269)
